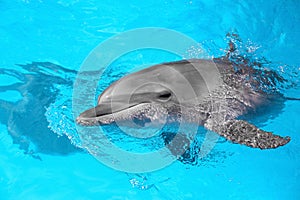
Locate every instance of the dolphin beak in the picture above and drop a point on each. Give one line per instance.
(95, 116)
(104, 110)
(97, 111)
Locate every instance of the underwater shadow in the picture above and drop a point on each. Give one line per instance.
(25, 119)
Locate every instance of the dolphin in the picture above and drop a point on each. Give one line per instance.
(214, 93)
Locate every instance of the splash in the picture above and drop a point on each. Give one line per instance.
(274, 77)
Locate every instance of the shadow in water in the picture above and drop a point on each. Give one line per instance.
(25, 119)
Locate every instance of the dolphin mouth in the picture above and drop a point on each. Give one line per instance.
(98, 116)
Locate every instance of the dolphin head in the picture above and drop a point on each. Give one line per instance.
(155, 88)
(116, 100)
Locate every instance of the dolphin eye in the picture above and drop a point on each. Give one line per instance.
(164, 96)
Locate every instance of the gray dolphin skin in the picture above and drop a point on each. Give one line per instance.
(190, 89)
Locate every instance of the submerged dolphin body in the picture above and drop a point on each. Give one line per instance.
(190, 89)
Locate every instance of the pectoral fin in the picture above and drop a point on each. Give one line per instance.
(242, 132)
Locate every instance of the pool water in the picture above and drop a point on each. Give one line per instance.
(43, 45)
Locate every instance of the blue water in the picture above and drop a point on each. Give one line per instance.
(44, 43)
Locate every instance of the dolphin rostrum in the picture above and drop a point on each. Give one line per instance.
(213, 93)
